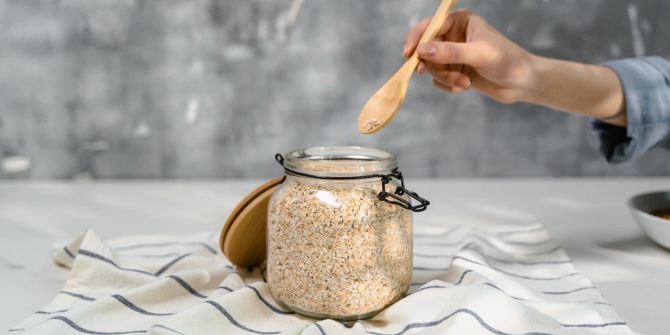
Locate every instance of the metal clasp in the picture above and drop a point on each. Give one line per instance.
(396, 197)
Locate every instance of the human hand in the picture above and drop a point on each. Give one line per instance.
(469, 53)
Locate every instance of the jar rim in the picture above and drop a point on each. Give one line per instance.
(340, 161)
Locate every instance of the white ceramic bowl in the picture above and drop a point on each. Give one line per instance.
(642, 205)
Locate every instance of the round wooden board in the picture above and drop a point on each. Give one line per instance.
(243, 235)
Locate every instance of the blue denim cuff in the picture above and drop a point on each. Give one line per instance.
(646, 88)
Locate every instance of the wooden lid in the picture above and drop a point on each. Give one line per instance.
(243, 235)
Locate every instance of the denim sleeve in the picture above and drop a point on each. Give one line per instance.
(646, 87)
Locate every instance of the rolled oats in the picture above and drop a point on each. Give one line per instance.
(371, 124)
(335, 250)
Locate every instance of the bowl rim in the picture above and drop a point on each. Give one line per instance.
(646, 214)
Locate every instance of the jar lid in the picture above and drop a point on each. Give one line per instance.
(242, 238)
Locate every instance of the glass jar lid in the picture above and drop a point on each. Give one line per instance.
(340, 161)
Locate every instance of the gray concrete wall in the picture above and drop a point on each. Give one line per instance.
(213, 88)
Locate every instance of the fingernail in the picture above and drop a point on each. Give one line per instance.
(404, 50)
(427, 49)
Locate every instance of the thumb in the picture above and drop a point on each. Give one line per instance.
(475, 54)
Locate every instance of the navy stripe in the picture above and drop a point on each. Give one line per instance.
(165, 244)
(265, 302)
(16, 330)
(461, 310)
(462, 276)
(234, 322)
(455, 284)
(591, 302)
(430, 287)
(52, 312)
(170, 263)
(521, 243)
(68, 252)
(513, 297)
(487, 242)
(169, 254)
(323, 332)
(87, 331)
(514, 274)
(489, 257)
(134, 307)
(497, 269)
(489, 327)
(536, 301)
(518, 298)
(168, 329)
(420, 268)
(481, 252)
(571, 291)
(597, 325)
(187, 287)
(473, 247)
(77, 295)
(270, 306)
(107, 260)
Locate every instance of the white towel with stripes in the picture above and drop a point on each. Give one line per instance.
(467, 280)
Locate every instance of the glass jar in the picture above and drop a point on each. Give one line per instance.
(339, 233)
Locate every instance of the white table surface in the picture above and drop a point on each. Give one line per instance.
(588, 217)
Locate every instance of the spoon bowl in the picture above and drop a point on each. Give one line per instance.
(385, 103)
(382, 107)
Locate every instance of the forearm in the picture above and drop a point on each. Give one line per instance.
(589, 90)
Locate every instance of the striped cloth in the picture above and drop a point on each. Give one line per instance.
(467, 280)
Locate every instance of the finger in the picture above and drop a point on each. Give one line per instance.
(442, 67)
(475, 54)
(445, 87)
(461, 20)
(434, 67)
(451, 78)
(463, 81)
(414, 35)
(468, 72)
(421, 69)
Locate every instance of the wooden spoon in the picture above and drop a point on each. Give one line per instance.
(385, 103)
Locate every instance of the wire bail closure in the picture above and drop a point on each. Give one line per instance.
(394, 197)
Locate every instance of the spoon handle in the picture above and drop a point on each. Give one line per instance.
(436, 23)
(439, 18)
